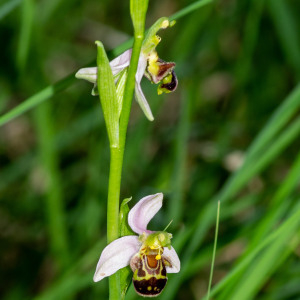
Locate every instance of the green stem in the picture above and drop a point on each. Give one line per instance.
(138, 10)
(129, 88)
(116, 164)
(114, 186)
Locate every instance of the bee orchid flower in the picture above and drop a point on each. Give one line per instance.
(149, 65)
(150, 254)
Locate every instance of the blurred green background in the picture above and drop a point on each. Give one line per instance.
(238, 66)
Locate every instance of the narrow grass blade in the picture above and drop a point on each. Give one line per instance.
(36, 99)
(214, 252)
(264, 266)
(26, 28)
(190, 8)
(250, 38)
(278, 120)
(289, 225)
(278, 204)
(76, 130)
(54, 206)
(287, 32)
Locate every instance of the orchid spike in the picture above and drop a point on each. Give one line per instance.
(150, 255)
(149, 65)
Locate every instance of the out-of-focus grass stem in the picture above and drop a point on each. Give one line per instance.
(214, 251)
(54, 207)
(250, 36)
(287, 32)
(27, 19)
(278, 204)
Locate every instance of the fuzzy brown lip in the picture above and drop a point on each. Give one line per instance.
(172, 85)
(165, 68)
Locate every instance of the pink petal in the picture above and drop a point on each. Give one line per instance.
(116, 255)
(139, 95)
(173, 258)
(141, 68)
(89, 74)
(141, 100)
(141, 214)
(120, 62)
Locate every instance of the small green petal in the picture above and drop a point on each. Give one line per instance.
(152, 40)
(158, 240)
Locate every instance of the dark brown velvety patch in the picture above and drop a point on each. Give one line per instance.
(141, 272)
(172, 85)
(164, 69)
(151, 287)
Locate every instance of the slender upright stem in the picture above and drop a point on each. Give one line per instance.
(129, 88)
(138, 9)
(114, 185)
(116, 164)
(116, 160)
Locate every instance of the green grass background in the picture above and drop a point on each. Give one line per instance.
(238, 100)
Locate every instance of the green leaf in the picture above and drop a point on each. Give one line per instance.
(124, 228)
(125, 280)
(108, 95)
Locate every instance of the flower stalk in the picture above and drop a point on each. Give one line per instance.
(138, 9)
(117, 150)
